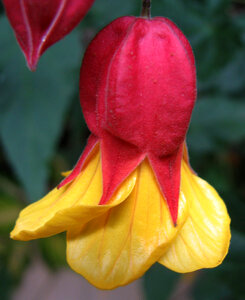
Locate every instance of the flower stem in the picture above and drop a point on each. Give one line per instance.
(146, 9)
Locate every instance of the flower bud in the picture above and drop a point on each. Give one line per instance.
(39, 24)
(138, 82)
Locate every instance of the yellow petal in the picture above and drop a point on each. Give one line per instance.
(119, 246)
(204, 239)
(75, 203)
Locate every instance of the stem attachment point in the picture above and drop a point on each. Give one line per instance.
(146, 9)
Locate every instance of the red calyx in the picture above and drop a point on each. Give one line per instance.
(40, 23)
(137, 90)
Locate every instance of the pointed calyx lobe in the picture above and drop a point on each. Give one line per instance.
(137, 90)
(40, 23)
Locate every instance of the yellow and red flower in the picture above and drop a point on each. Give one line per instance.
(132, 199)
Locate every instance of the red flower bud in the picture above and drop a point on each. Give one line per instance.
(137, 90)
(38, 24)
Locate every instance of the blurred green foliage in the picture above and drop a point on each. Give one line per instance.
(33, 106)
(42, 132)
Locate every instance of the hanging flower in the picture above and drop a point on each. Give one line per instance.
(39, 24)
(132, 199)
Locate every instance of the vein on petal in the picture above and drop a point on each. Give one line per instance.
(89, 183)
(28, 28)
(131, 224)
(52, 25)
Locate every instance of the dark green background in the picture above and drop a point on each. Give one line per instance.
(42, 132)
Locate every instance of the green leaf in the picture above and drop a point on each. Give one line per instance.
(232, 77)
(159, 282)
(216, 122)
(9, 210)
(33, 105)
(225, 281)
(104, 12)
(53, 250)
